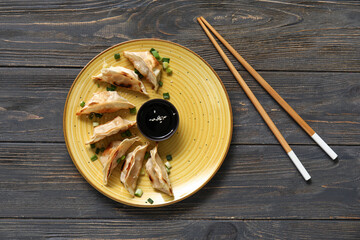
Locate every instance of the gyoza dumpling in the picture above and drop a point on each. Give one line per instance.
(122, 77)
(110, 156)
(110, 128)
(132, 167)
(147, 65)
(156, 170)
(103, 102)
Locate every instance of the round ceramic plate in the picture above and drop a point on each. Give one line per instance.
(200, 144)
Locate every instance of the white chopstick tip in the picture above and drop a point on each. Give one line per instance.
(299, 165)
(324, 146)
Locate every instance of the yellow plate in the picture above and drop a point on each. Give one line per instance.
(198, 147)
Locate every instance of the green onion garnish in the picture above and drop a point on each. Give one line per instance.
(82, 104)
(98, 85)
(95, 124)
(152, 49)
(168, 165)
(98, 115)
(120, 159)
(94, 158)
(102, 149)
(166, 95)
(169, 71)
(91, 115)
(168, 157)
(92, 145)
(166, 60)
(97, 151)
(165, 65)
(167, 170)
(138, 192)
(160, 83)
(156, 54)
(150, 201)
(128, 133)
(133, 110)
(117, 56)
(138, 73)
(112, 88)
(147, 155)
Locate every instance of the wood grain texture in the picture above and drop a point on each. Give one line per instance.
(195, 229)
(307, 50)
(271, 35)
(255, 182)
(32, 101)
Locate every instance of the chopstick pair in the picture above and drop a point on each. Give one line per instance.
(257, 104)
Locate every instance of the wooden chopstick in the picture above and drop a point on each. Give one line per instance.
(258, 106)
(274, 94)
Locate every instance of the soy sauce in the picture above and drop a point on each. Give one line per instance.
(157, 119)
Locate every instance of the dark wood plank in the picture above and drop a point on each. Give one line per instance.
(200, 229)
(255, 182)
(272, 35)
(32, 101)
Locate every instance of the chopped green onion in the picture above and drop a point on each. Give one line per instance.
(147, 155)
(166, 60)
(92, 145)
(160, 83)
(98, 85)
(150, 201)
(95, 124)
(142, 173)
(98, 115)
(138, 73)
(156, 54)
(167, 170)
(97, 151)
(117, 56)
(166, 95)
(133, 110)
(138, 192)
(112, 88)
(91, 115)
(169, 71)
(102, 149)
(168, 165)
(120, 159)
(165, 65)
(152, 49)
(94, 158)
(128, 133)
(168, 157)
(82, 104)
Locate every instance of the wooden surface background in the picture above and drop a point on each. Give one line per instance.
(309, 51)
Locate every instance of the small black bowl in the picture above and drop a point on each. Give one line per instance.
(157, 119)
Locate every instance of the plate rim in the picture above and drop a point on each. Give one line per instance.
(99, 189)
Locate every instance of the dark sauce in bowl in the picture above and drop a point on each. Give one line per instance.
(157, 119)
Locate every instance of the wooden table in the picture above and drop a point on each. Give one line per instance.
(309, 51)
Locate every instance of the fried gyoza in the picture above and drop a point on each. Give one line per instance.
(122, 77)
(147, 65)
(132, 167)
(110, 156)
(110, 128)
(156, 170)
(104, 102)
